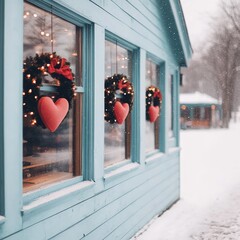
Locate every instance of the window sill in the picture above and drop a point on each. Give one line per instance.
(2, 219)
(172, 142)
(56, 198)
(173, 150)
(119, 172)
(154, 158)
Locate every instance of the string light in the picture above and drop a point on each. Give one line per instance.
(34, 121)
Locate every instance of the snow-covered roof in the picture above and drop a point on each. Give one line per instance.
(197, 98)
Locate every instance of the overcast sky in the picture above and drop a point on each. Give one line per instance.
(198, 15)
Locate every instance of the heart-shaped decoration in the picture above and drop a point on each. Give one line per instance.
(52, 114)
(121, 111)
(153, 113)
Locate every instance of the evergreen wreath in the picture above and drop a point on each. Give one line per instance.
(117, 89)
(45, 66)
(153, 98)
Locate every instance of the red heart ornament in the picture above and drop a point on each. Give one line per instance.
(121, 111)
(153, 113)
(52, 114)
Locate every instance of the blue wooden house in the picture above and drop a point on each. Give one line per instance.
(89, 116)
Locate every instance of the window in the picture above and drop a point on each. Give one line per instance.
(49, 157)
(152, 128)
(117, 136)
(171, 106)
(1, 109)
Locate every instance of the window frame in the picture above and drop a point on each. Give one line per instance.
(161, 85)
(87, 58)
(173, 139)
(109, 36)
(157, 144)
(2, 189)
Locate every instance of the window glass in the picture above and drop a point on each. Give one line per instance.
(152, 129)
(118, 60)
(171, 102)
(49, 157)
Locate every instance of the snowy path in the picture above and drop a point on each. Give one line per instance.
(209, 208)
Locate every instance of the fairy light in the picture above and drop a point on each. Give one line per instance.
(28, 75)
(35, 15)
(23, 93)
(47, 34)
(34, 81)
(35, 97)
(30, 91)
(42, 33)
(31, 113)
(34, 121)
(25, 115)
(48, 65)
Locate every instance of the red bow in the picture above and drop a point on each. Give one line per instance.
(63, 70)
(158, 95)
(123, 84)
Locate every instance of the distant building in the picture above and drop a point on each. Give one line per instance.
(200, 110)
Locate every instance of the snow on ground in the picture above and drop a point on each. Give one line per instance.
(209, 207)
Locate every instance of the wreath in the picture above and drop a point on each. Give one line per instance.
(153, 103)
(40, 110)
(119, 95)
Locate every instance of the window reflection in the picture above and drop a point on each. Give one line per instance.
(52, 157)
(152, 129)
(45, 32)
(171, 102)
(116, 140)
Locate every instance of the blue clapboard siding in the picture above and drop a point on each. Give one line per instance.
(145, 194)
(105, 205)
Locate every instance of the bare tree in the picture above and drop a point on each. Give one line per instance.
(218, 68)
(223, 56)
